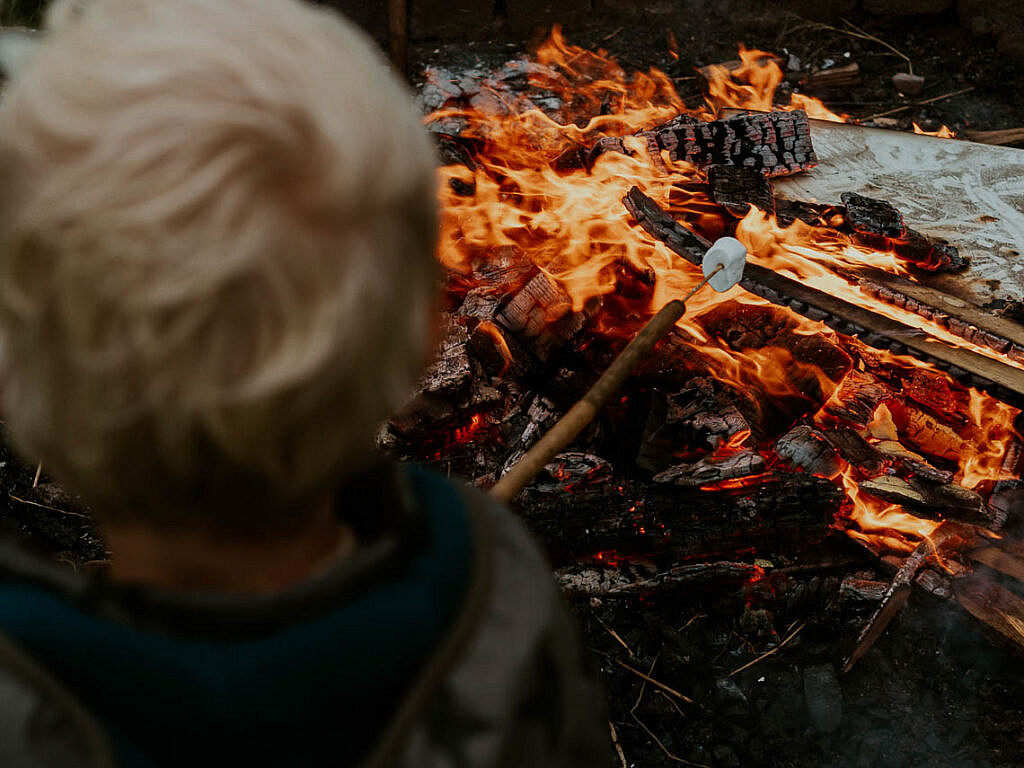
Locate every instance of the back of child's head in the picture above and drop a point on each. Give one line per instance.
(217, 220)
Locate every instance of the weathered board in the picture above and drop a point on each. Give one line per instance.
(970, 194)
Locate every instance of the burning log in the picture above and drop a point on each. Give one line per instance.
(773, 143)
(913, 463)
(862, 590)
(805, 447)
(778, 513)
(929, 435)
(542, 314)
(713, 469)
(951, 501)
(1002, 381)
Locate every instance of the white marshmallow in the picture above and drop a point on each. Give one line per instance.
(732, 256)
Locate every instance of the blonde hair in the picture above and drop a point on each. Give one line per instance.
(217, 222)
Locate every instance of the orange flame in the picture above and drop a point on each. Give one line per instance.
(945, 132)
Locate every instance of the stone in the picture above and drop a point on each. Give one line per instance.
(908, 83)
(824, 697)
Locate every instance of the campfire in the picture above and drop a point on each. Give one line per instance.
(831, 391)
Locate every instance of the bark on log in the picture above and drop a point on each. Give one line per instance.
(778, 513)
(712, 469)
(774, 143)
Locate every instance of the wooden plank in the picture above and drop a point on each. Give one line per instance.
(961, 317)
(999, 379)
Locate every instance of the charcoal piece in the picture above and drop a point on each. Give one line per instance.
(713, 470)
(869, 216)
(736, 188)
(855, 449)
(894, 489)
(949, 501)
(698, 416)
(625, 579)
(824, 698)
(803, 446)
(1006, 505)
(856, 398)
(853, 589)
(571, 471)
(935, 584)
(450, 371)
(499, 352)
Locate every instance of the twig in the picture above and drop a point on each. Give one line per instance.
(774, 650)
(692, 619)
(654, 682)
(905, 107)
(615, 635)
(618, 747)
(610, 35)
(47, 506)
(648, 731)
(854, 31)
(39, 472)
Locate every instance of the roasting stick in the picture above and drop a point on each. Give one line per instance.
(723, 268)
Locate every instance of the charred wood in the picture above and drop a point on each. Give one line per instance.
(698, 417)
(623, 580)
(833, 77)
(805, 447)
(856, 450)
(712, 469)
(736, 188)
(450, 371)
(773, 143)
(869, 216)
(856, 398)
(778, 513)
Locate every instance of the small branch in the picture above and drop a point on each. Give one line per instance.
(766, 654)
(618, 747)
(39, 473)
(654, 682)
(932, 100)
(47, 506)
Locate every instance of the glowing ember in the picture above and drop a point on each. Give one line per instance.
(571, 224)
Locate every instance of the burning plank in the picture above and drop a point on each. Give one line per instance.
(1001, 380)
(963, 318)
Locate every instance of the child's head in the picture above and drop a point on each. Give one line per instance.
(217, 220)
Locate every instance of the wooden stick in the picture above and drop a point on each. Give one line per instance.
(584, 411)
(1002, 137)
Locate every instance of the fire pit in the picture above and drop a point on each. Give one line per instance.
(851, 387)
